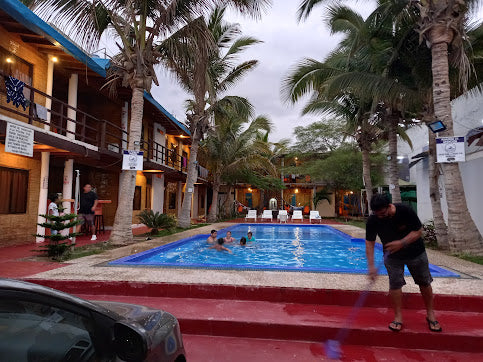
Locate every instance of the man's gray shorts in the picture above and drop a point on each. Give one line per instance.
(418, 267)
(88, 219)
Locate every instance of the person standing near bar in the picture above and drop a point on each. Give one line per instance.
(88, 204)
(400, 230)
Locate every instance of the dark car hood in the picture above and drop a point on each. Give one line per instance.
(146, 317)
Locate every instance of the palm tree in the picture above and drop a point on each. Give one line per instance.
(442, 26)
(356, 82)
(231, 148)
(144, 32)
(206, 76)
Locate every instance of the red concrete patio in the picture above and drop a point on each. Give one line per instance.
(19, 261)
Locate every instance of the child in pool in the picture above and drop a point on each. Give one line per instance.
(250, 236)
(219, 246)
(243, 241)
(229, 238)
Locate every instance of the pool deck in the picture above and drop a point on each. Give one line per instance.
(94, 268)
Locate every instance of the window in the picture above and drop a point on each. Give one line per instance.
(13, 190)
(18, 68)
(137, 198)
(33, 331)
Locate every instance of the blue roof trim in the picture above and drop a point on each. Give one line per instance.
(26, 17)
(153, 101)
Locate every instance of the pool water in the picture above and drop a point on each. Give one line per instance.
(310, 248)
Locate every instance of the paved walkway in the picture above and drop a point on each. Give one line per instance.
(94, 268)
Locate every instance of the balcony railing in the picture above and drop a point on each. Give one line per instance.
(101, 133)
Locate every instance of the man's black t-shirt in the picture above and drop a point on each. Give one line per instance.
(87, 200)
(394, 228)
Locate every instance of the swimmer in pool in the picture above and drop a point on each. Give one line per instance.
(219, 246)
(212, 238)
(229, 238)
(243, 241)
(250, 237)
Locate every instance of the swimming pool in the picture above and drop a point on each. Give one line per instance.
(307, 248)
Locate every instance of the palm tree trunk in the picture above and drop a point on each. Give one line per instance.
(228, 202)
(213, 214)
(440, 227)
(192, 175)
(366, 174)
(122, 228)
(463, 233)
(393, 164)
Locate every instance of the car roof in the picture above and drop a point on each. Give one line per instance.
(23, 286)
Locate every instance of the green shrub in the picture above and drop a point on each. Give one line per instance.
(156, 220)
(429, 234)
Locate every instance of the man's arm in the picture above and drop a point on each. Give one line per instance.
(397, 245)
(370, 259)
(96, 201)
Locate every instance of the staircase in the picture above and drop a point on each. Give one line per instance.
(241, 323)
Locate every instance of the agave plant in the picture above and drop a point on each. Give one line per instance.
(156, 220)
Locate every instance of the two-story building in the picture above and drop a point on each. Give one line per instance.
(52, 88)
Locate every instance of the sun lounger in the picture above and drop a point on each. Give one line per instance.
(267, 214)
(297, 215)
(282, 216)
(314, 215)
(252, 214)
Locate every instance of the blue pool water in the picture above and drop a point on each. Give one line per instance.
(309, 248)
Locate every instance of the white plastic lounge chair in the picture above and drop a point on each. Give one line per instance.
(297, 215)
(282, 216)
(267, 214)
(252, 214)
(314, 215)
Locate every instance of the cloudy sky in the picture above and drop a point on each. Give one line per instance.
(285, 42)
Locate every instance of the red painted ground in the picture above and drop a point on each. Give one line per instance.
(18, 261)
(201, 348)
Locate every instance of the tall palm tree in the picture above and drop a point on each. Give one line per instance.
(207, 76)
(442, 27)
(231, 147)
(144, 31)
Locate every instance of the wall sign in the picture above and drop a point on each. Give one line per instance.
(450, 149)
(132, 160)
(19, 140)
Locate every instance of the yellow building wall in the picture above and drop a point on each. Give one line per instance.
(19, 228)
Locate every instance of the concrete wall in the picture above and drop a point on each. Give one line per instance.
(19, 228)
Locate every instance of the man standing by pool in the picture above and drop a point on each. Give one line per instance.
(400, 230)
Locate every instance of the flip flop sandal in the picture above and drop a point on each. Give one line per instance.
(397, 324)
(432, 325)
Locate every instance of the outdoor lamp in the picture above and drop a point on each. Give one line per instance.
(437, 126)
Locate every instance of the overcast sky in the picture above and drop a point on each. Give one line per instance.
(285, 42)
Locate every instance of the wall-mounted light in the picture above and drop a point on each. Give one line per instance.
(9, 60)
(54, 59)
(296, 191)
(250, 189)
(437, 126)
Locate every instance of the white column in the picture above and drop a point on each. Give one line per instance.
(179, 197)
(158, 193)
(50, 83)
(45, 161)
(195, 203)
(44, 186)
(72, 101)
(124, 124)
(68, 181)
(206, 201)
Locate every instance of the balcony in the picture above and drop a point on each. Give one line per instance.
(101, 137)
